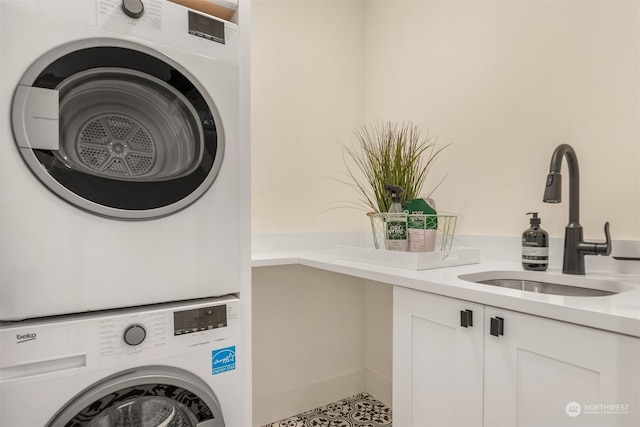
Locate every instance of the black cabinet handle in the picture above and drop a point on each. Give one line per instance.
(466, 318)
(497, 326)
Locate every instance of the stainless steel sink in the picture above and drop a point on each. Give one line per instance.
(545, 283)
(547, 288)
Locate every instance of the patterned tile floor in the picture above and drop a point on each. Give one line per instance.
(361, 410)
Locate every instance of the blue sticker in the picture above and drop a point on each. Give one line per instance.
(223, 360)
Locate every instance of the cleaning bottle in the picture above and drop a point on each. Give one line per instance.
(396, 226)
(535, 246)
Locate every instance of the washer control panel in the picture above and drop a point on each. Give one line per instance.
(199, 319)
(132, 333)
(153, 334)
(136, 334)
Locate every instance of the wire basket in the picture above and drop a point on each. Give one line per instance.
(425, 233)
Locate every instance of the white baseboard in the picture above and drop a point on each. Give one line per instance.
(378, 387)
(291, 402)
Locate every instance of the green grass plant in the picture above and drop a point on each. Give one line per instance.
(390, 153)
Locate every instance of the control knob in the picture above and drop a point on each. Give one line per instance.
(134, 334)
(133, 8)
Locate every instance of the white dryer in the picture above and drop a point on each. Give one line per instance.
(165, 365)
(119, 156)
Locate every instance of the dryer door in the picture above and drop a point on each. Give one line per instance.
(146, 397)
(117, 129)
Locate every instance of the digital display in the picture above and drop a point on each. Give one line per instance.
(199, 319)
(205, 27)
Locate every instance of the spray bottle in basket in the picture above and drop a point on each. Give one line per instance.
(396, 225)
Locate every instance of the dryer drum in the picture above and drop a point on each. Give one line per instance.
(118, 129)
(122, 125)
(100, 149)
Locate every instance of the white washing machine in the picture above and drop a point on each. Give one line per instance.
(119, 157)
(165, 365)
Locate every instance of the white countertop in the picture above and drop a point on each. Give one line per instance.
(617, 313)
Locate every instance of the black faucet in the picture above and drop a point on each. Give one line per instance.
(574, 247)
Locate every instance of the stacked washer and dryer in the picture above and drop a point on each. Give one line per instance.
(119, 215)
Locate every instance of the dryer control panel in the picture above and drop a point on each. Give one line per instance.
(171, 25)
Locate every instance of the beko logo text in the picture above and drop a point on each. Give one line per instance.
(25, 337)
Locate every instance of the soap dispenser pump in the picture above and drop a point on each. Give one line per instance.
(535, 246)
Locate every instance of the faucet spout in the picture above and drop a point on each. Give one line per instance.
(574, 247)
(553, 189)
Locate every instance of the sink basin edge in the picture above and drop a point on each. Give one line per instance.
(549, 283)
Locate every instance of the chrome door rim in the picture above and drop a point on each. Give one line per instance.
(33, 160)
(147, 375)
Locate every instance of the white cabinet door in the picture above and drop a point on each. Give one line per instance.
(437, 363)
(542, 372)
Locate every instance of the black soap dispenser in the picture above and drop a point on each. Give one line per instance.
(535, 246)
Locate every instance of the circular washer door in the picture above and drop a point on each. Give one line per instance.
(153, 396)
(117, 129)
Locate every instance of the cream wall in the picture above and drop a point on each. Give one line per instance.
(317, 337)
(307, 90)
(504, 82)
